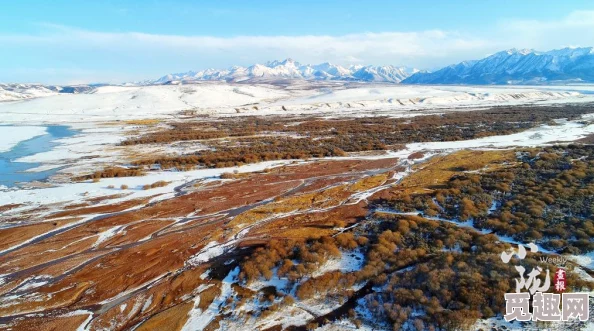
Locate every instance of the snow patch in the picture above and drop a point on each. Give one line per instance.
(585, 260)
(12, 135)
(199, 319)
(105, 235)
(348, 262)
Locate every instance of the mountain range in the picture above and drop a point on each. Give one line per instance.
(290, 69)
(16, 91)
(513, 66)
(516, 66)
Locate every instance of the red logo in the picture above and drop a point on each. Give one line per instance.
(559, 280)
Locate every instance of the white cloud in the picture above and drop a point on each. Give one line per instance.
(142, 55)
(575, 29)
(361, 45)
(175, 52)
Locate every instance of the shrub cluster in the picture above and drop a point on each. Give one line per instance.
(547, 198)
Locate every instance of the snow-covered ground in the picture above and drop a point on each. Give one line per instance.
(112, 103)
(92, 147)
(348, 262)
(433, 95)
(562, 132)
(345, 324)
(498, 323)
(585, 260)
(12, 135)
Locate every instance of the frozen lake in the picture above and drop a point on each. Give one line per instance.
(13, 172)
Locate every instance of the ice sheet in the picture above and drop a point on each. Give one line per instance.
(10, 136)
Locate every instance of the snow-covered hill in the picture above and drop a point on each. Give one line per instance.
(290, 69)
(14, 92)
(295, 98)
(515, 66)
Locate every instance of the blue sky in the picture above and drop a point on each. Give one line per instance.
(114, 41)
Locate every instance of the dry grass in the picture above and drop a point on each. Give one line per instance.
(143, 122)
(369, 183)
(69, 263)
(171, 249)
(9, 207)
(47, 323)
(173, 318)
(18, 234)
(46, 301)
(207, 296)
(311, 225)
(327, 198)
(234, 175)
(76, 205)
(96, 200)
(324, 199)
(102, 209)
(589, 139)
(304, 232)
(438, 170)
(160, 183)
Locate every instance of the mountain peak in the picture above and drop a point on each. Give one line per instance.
(276, 63)
(522, 51)
(512, 51)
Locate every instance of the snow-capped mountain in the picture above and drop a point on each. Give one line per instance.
(516, 67)
(382, 74)
(290, 69)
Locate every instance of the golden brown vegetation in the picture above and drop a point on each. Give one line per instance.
(160, 183)
(112, 172)
(143, 122)
(546, 197)
(253, 139)
(296, 259)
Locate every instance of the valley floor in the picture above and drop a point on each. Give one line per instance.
(382, 207)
